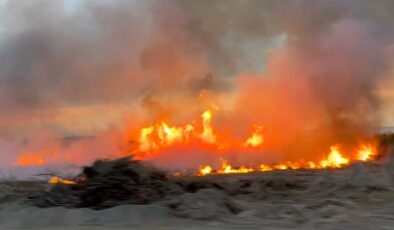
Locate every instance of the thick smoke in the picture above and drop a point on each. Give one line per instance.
(319, 87)
(310, 69)
(97, 53)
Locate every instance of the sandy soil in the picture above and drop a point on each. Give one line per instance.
(359, 197)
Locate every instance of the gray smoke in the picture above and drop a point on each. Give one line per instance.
(319, 62)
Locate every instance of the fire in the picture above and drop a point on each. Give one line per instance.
(156, 137)
(366, 152)
(334, 159)
(227, 169)
(256, 139)
(160, 136)
(207, 134)
(58, 180)
(205, 170)
(145, 144)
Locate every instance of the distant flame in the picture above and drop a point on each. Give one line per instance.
(58, 180)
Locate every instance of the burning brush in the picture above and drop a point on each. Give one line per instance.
(155, 139)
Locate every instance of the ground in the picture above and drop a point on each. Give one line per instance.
(358, 197)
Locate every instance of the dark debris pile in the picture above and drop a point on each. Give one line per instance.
(108, 183)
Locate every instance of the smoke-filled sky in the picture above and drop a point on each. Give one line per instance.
(77, 67)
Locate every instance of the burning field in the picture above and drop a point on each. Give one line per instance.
(126, 192)
(239, 113)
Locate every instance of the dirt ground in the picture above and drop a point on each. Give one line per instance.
(358, 197)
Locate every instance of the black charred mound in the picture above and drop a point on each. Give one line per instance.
(109, 183)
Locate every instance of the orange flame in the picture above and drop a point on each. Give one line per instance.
(205, 170)
(58, 180)
(207, 134)
(366, 152)
(155, 138)
(256, 139)
(162, 135)
(333, 160)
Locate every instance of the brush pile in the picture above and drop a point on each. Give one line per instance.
(109, 183)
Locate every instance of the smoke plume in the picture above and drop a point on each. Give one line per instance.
(307, 71)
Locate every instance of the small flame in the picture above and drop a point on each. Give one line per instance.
(366, 152)
(207, 133)
(205, 170)
(169, 134)
(256, 139)
(145, 144)
(58, 180)
(334, 159)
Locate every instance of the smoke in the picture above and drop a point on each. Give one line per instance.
(317, 84)
(307, 71)
(95, 54)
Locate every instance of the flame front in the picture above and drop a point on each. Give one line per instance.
(333, 160)
(160, 136)
(157, 138)
(154, 139)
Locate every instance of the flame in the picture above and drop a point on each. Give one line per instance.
(155, 138)
(256, 139)
(163, 135)
(207, 134)
(160, 136)
(205, 170)
(334, 159)
(58, 180)
(227, 168)
(366, 152)
(145, 144)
